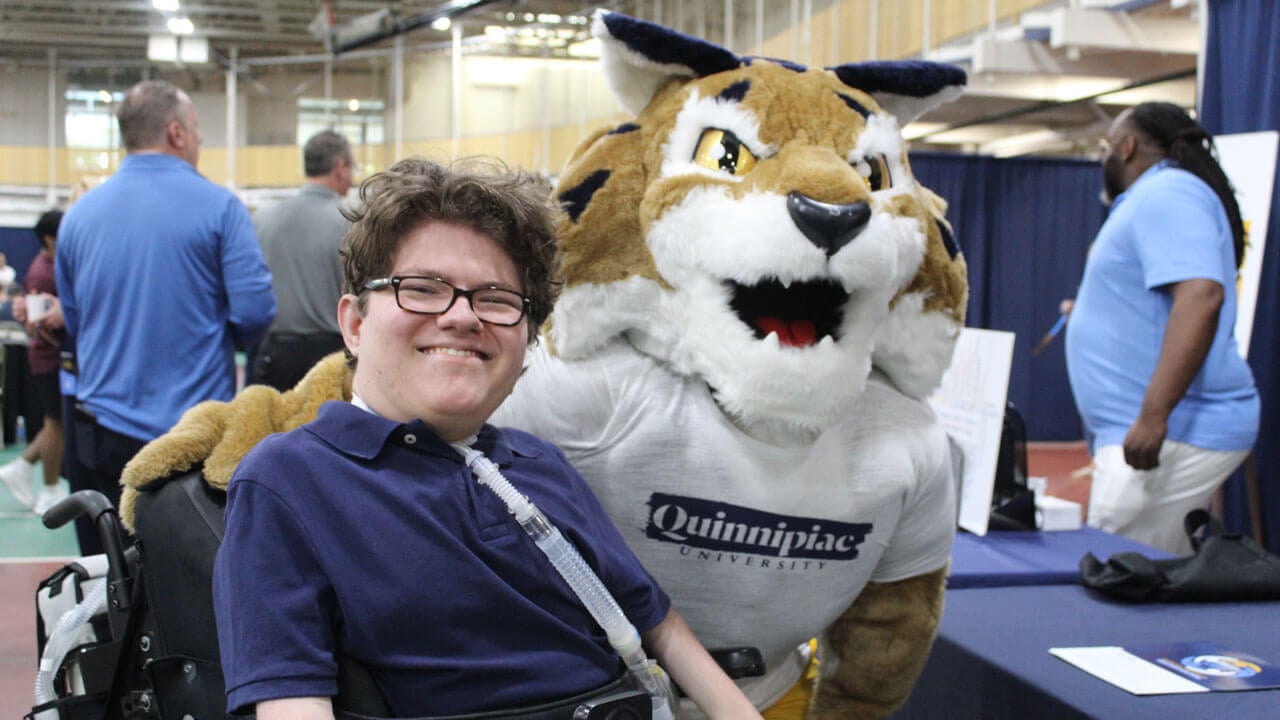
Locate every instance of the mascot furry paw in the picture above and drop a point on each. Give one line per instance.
(758, 294)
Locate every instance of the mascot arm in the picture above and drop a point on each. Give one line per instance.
(873, 653)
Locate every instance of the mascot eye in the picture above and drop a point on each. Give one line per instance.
(722, 150)
(875, 172)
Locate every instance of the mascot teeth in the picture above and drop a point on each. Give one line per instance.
(800, 313)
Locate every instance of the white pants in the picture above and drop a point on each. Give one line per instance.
(1149, 505)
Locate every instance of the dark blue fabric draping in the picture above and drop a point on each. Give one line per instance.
(1024, 225)
(19, 246)
(1242, 94)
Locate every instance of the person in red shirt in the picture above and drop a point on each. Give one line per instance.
(40, 312)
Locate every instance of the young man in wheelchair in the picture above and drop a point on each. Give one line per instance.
(366, 533)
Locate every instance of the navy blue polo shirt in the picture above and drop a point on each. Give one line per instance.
(364, 535)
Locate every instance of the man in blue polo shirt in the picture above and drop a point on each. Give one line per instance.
(161, 279)
(1170, 405)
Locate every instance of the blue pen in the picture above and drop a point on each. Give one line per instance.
(1049, 336)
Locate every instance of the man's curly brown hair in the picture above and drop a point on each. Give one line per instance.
(512, 207)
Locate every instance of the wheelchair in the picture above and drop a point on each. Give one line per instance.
(148, 648)
(149, 651)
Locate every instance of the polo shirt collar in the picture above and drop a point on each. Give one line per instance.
(319, 190)
(363, 434)
(154, 161)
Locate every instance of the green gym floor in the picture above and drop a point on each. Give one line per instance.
(29, 552)
(22, 535)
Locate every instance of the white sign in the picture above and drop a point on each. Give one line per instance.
(1249, 160)
(970, 405)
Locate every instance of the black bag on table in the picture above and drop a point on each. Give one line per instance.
(1013, 504)
(1225, 567)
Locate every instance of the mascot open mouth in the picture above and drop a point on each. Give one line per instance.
(801, 314)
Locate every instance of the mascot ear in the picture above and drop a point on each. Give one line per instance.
(639, 57)
(907, 88)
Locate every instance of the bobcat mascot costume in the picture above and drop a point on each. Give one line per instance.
(757, 293)
(757, 296)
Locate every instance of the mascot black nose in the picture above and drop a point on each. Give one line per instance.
(827, 225)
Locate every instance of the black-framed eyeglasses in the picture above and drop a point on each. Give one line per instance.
(432, 296)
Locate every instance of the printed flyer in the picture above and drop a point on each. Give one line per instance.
(1211, 665)
(1188, 667)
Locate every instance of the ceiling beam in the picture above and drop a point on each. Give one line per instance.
(1031, 108)
(991, 55)
(112, 35)
(1078, 27)
(101, 37)
(1046, 140)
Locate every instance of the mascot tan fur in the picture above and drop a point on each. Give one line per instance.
(214, 435)
(757, 295)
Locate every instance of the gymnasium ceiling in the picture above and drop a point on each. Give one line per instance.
(1048, 84)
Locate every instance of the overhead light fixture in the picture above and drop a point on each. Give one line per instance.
(383, 24)
(165, 5)
(441, 24)
(362, 30)
(173, 48)
(353, 105)
(162, 48)
(181, 26)
(104, 96)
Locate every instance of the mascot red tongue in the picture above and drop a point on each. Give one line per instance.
(780, 485)
(792, 333)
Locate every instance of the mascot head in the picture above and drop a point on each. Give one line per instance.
(757, 226)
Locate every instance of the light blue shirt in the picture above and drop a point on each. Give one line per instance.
(161, 278)
(1169, 226)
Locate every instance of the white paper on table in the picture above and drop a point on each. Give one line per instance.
(1126, 670)
(970, 406)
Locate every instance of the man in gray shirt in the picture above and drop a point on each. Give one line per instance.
(301, 238)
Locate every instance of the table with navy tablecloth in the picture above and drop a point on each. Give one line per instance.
(991, 658)
(1011, 558)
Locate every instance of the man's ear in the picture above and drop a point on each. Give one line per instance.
(350, 321)
(1128, 147)
(174, 133)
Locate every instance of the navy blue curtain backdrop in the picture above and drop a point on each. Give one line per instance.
(20, 247)
(1242, 94)
(1024, 225)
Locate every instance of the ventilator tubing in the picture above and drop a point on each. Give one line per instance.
(61, 640)
(569, 563)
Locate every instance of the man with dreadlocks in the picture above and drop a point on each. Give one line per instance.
(1170, 406)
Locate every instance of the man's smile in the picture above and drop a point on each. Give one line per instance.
(454, 352)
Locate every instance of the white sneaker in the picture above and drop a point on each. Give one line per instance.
(49, 496)
(17, 477)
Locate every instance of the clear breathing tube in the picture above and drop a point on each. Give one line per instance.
(622, 635)
(61, 640)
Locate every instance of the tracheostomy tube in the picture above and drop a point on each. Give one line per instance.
(567, 561)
